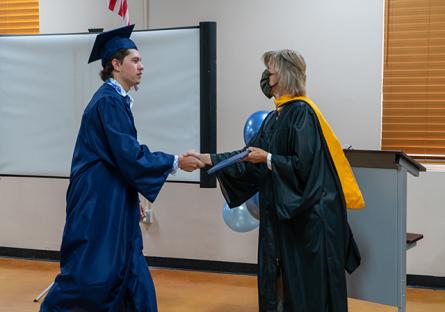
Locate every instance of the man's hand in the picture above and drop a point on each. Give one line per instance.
(141, 211)
(143, 204)
(190, 163)
(256, 155)
(205, 158)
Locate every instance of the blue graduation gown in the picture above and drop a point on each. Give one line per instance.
(102, 265)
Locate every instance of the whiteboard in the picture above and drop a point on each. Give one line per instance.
(45, 83)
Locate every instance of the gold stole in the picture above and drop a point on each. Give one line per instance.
(353, 196)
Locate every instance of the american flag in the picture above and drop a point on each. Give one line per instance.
(121, 8)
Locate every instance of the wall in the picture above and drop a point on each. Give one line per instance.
(77, 16)
(342, 44)
(32, 210)
(426, 215)
(344, 77)
(188, 221)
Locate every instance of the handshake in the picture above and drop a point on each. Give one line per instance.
(193, 160)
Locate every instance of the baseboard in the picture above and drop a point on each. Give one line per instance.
(173, 263)
(33, 254)
(427, 281)
(202, 265)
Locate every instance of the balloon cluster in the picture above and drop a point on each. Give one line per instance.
(245, 218)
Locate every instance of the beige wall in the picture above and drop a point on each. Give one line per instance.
(77, 16)
(342, 44)
(426, 215)
(188, 221)
(344, 79)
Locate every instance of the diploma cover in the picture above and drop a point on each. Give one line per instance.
(229, 161)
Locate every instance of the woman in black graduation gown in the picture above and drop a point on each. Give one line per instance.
(305, 184)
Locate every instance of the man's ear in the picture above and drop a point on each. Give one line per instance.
(116, 64)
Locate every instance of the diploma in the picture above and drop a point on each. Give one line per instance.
(229, 161)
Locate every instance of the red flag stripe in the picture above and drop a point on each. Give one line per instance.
(112, 4)
(125, 8)
(121, 12)
(121, 8)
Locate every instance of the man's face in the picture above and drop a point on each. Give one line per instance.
(130, 71)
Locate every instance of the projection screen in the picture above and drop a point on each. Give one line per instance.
(45, 83)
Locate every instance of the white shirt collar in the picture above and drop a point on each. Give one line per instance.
(119, 89)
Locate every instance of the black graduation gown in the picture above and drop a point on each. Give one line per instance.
(305, 243)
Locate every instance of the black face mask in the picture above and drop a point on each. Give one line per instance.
(264, 84)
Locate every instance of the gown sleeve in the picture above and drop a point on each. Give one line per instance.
(146, 171)
(297, 176)
(239, 181)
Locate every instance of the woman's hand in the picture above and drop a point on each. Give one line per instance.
(256, 155)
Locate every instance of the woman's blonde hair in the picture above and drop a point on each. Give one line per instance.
(290, 68)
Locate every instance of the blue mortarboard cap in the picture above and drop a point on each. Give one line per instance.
(109, 42)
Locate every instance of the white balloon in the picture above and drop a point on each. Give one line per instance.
(239, 219)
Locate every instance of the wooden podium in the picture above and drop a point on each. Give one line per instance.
(380, 228)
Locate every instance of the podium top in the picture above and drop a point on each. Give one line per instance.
(383, 159)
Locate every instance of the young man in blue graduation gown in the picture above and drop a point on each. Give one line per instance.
(102, 265)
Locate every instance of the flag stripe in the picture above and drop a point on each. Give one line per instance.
(121, 8)
(112, 4)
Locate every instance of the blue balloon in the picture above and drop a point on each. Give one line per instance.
(239, 218)
(253, 124)
(253, 205)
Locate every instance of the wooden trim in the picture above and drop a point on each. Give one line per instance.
(412, 238)
(380, 159)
